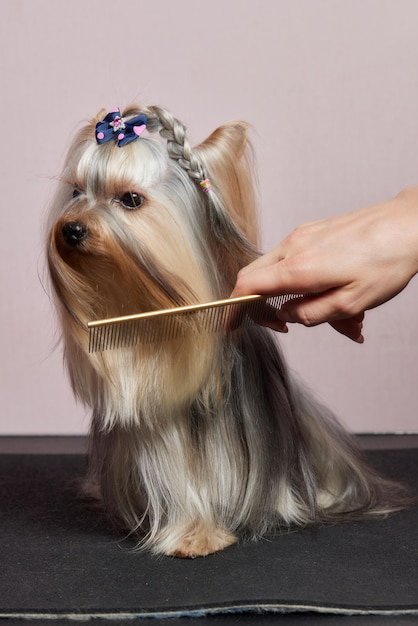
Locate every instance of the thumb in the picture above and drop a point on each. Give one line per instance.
(276, 279)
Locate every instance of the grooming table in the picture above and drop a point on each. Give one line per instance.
(62, 559)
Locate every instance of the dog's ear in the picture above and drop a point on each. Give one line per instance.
(231, 139)
(225, 154)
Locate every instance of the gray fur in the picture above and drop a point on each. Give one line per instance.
(196, 442)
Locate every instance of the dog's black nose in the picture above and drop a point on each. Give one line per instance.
(74, 233)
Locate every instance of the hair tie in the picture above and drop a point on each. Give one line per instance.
(206, 185)
(119, 128)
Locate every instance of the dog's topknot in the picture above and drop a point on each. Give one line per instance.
(161, 121)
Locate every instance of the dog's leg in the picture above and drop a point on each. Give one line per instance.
(193, 539)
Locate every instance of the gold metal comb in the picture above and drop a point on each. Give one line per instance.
(166, 324)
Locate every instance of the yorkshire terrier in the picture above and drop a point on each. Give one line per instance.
(200, 440)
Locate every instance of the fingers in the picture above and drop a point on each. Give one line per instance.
(332, 305)
(350, 327)
(309, 311)
(315, 310)
(260, 279)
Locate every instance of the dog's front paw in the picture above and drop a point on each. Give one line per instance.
(200, 540)
(194, 539)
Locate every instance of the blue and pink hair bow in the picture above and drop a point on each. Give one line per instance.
(119, 128)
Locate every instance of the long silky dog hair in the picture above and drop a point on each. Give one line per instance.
(196, 441)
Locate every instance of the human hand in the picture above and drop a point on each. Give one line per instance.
(352, 263)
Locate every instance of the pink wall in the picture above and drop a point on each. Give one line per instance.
(331, 89)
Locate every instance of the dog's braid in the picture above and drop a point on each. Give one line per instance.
(178, 146)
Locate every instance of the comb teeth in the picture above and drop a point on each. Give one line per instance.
(165, 325)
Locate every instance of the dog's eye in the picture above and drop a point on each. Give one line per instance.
(131, 200)
(76, 192)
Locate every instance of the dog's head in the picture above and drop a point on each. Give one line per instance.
(148, 225)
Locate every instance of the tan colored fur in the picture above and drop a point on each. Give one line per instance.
(197, 441)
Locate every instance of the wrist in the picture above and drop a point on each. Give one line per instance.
(407, 206)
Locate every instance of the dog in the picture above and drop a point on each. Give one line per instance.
(196, 441)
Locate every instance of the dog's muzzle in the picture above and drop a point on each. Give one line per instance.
(74, 233)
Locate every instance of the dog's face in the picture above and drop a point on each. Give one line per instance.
(124, 237)
(129, 232)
